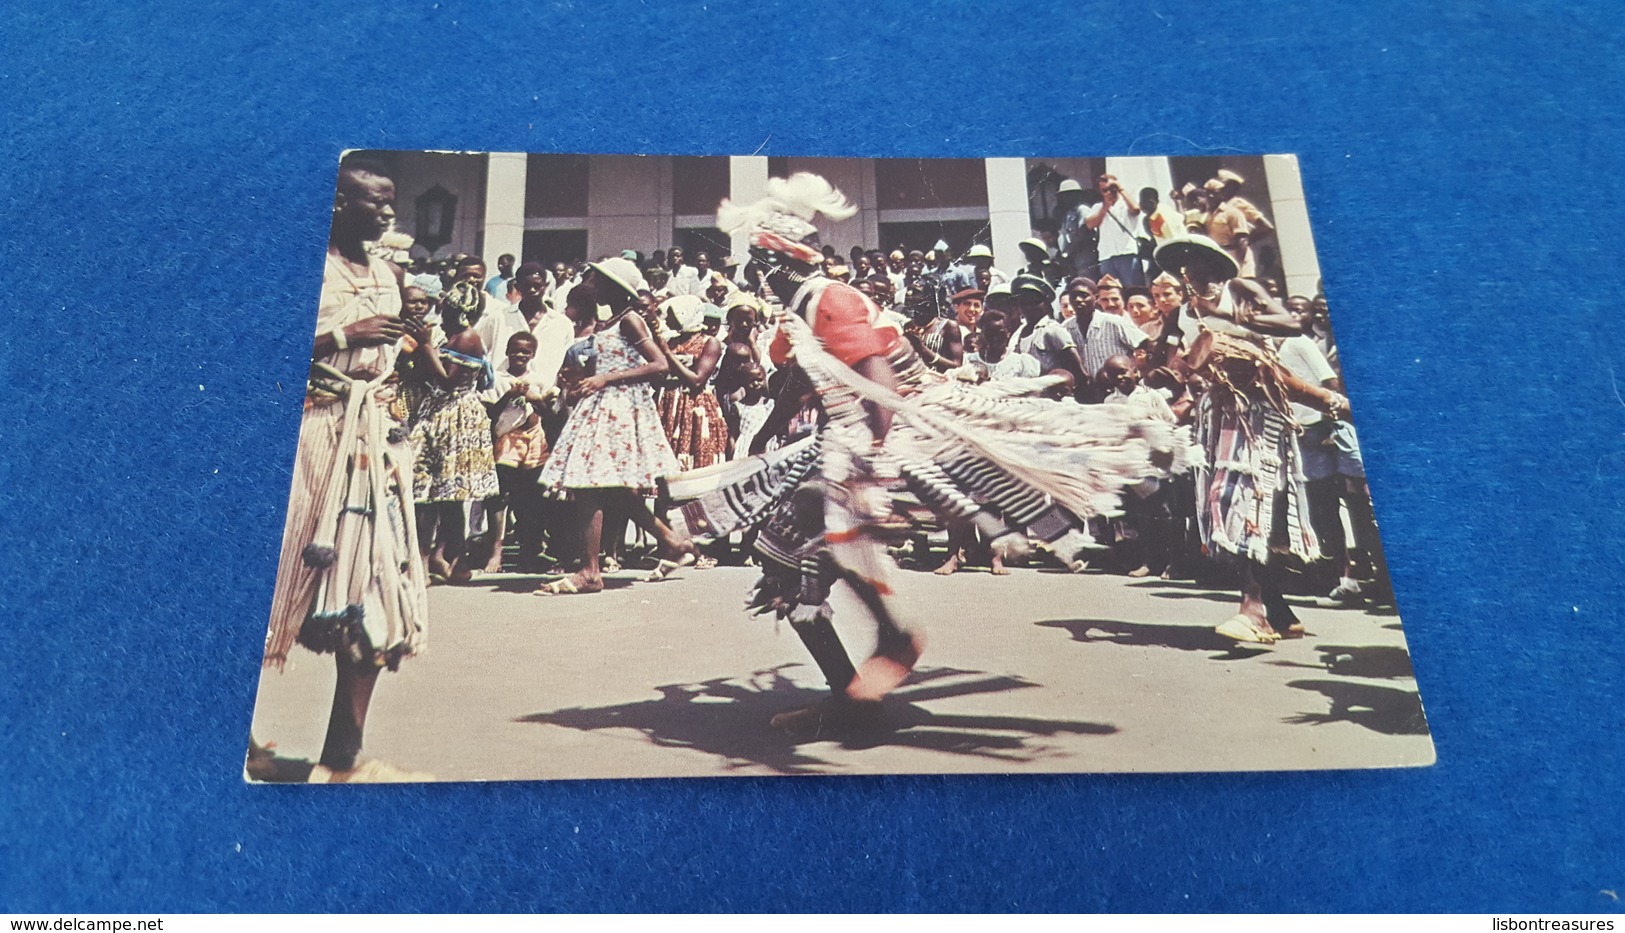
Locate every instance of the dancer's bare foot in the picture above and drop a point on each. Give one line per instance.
(999, 569)
(885, 671)
(572, 585)
(438, 566)
(1248, 628)
(950, 566)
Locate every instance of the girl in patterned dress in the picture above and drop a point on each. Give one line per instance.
(689, 409)
(613, 448)
(451, 436)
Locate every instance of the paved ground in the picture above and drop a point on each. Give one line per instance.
(1038, 671)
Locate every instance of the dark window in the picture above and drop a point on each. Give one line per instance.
(549, 246)
(927, 183)
(556, 186)
(923, 235)
(698, 183)
(702, 240)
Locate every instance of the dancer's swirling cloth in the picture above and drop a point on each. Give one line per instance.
(1000, 458)
(1015, 465)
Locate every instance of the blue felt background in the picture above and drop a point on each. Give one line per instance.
(165, 170)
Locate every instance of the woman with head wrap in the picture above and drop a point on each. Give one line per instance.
(613, 448)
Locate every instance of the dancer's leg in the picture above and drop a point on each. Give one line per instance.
(634, 508)
(897, 649)
(590, 578)
(352, 695)
(1251, 621)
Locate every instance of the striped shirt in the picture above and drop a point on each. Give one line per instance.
(1109, 335)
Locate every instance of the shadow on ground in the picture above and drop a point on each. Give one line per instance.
(728, 717)
(1388, 710)
(1378, 661)
(1144, 634)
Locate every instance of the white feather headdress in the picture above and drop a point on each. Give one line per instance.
(787, 209)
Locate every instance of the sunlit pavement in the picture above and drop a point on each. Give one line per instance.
(1038, 671)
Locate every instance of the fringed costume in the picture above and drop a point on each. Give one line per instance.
(350, 578)
(1017, 466)
(1252, 500)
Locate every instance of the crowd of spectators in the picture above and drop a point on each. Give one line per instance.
(507, 357)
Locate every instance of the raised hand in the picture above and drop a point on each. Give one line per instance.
(374, 331)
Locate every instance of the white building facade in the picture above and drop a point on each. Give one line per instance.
(560, 207)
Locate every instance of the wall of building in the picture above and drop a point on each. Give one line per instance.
(856, 179)
(462, 174)
(628, 204)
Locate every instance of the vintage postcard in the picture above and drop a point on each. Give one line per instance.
(651, 466)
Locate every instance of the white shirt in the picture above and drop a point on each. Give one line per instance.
(554, 333)
(1046, 342)
(499, 322)
(1114, 239)
(1302, 357)
(687, 281)
(1014, 366)
(899, 287)
(1144, 403)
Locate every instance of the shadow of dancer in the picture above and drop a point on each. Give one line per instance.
(724, 717)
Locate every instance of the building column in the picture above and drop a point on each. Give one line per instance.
(504, 207)
(1298, 259)
(747, 182)
(1008, 216)
(869, 206)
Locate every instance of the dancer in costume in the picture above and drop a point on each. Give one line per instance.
(1001, 458)
(1251, 498)
(613, 448)
(350, 581)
